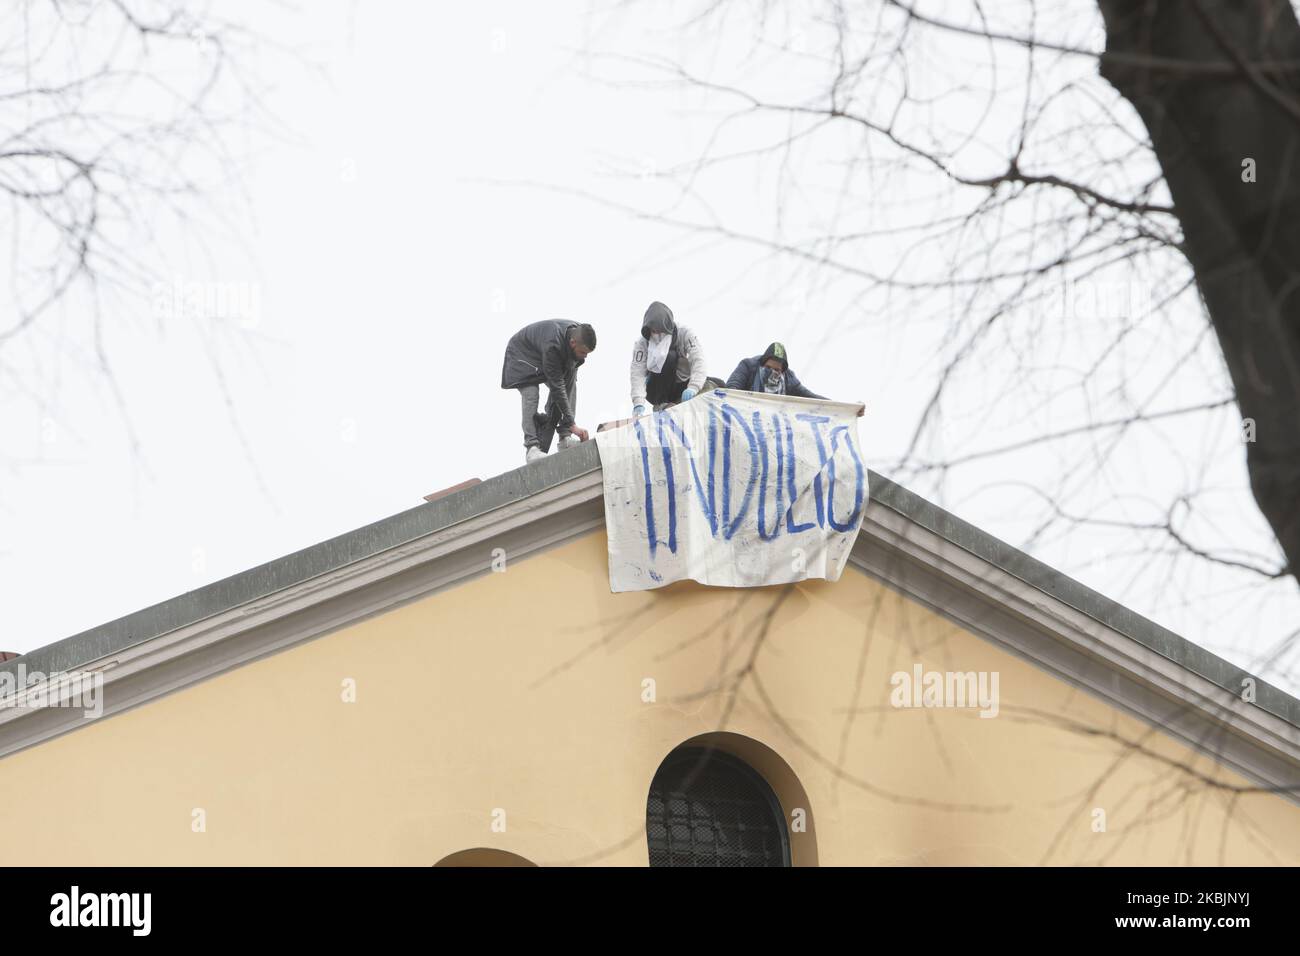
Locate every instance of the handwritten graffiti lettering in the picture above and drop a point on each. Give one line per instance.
(728, 487)
(754, 465)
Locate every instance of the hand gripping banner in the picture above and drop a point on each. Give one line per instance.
(735, 489)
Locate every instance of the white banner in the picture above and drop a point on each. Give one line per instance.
(736, 489)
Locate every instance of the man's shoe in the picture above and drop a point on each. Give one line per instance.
(570, 441)
(533, 454)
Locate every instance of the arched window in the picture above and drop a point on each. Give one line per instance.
(483, 856)
(708, 808)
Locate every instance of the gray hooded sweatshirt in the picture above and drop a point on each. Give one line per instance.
(691, 363)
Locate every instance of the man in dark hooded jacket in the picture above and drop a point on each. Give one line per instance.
(771, 373)
(549, 351)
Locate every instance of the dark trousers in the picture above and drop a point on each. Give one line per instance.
(664, 387)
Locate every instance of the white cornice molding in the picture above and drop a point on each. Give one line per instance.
(442, 559)
(956, 583)
(1078, 649)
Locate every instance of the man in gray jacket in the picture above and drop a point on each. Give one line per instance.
(549, 351)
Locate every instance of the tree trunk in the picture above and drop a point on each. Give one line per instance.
(1242, 238)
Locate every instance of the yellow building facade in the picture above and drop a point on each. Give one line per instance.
(458, 685)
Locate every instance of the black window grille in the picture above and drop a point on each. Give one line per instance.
(707, 808)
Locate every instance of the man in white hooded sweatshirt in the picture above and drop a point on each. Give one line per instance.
(668, 364)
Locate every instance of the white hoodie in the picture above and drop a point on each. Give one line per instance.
(691, 364)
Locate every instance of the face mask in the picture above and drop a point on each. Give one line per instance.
(657, 354)
(773, 381)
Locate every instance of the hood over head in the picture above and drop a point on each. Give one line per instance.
(777, 351)
(658, 318)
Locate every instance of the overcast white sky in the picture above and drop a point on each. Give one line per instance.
(392, 245)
